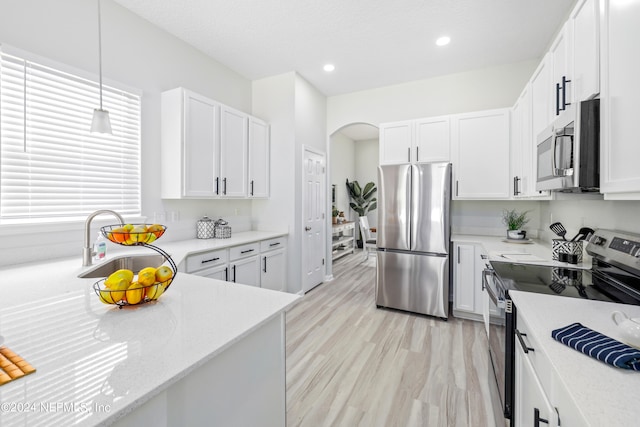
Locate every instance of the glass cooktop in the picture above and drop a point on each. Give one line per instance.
(574, 283)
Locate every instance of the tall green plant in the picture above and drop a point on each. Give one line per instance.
(362, 200)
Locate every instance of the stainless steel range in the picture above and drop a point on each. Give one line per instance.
(615, 277)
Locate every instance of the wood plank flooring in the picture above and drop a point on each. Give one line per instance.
(351, 364)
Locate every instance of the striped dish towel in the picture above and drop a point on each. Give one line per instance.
(598, 346)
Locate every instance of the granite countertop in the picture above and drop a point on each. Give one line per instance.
(534, 252)
(90, 356)
(603, 394)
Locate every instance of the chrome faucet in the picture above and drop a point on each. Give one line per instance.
(87, 250)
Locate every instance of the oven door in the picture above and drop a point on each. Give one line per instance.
(495, 320)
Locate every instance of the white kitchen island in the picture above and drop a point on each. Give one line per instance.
(206, 353)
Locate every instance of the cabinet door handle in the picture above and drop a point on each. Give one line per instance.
(265, 264)
(274, 244)
(417, 154)
(557, 98)
(247, 251)
(524, 346)
(458, 254)
(564, 92)
(536, 418)
(409, 154)
(516, 185)
(252, 187)
(224, 186)
(233, 268)
(456, 188)
(226, 274)
(307, 228)
(217, 185)
(204, 261)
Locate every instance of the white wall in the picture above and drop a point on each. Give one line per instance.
(343, 165)
(139, 55)
(367, 160)
(483, 89)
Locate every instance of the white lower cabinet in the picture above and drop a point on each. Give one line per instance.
(260, 263)
(467, 282)
(245, 271)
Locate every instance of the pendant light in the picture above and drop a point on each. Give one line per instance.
(100, 122)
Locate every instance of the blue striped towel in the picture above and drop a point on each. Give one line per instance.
(599, 346)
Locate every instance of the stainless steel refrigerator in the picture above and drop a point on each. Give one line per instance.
(413, 238)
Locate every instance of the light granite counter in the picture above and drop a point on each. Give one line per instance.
(96, 363)
(603, 394)
(534, 252)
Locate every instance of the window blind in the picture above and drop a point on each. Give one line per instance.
(50, 164)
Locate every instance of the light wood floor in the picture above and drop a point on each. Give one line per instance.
(351, 364)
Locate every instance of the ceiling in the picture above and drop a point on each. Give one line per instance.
(372, 43)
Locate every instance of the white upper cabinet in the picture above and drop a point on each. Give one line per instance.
(561, 66)
(396, 140)
(259, 161)
(586, 50)
(541, 97)
(620, 110)
(411, 141)
(480, 155)
(205, 149)
(189, 145)
(233, 152)
(432, 139)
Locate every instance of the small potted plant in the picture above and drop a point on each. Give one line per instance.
(334, 215)
(514, 221)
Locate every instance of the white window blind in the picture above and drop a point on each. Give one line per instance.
(50, 164)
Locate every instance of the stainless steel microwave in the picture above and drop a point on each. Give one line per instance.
(569, 150)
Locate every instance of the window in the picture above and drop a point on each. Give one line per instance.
(51, 166)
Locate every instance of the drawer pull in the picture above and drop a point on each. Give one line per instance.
(522, 343)
(204, 261)
(247, 251)
(265, 264)
(274, 244)
(233, 268)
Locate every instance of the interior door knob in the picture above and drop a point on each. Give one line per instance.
(307, 228)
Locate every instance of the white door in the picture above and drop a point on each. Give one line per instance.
(313, 197)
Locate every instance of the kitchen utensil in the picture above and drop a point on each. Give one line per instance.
(557, 287)
(629, 328)
(559, 229)
(582, 234)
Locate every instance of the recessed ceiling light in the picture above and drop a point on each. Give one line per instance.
(443, 41)
(329, 67)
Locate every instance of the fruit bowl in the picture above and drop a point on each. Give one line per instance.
(133, 234)
(123, 287)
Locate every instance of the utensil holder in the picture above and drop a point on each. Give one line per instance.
(566, 251)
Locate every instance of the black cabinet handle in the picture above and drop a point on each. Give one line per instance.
(247, 251)
(265, 264)
(274, 244)
(564, 92)
(557, 98)
(252, 187)
(224, 186)
(233, 268)
(524, 346)
(536, 418)
(217, 185)
(204, 261)
(226, 274)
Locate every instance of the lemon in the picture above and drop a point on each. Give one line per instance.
(135, 293)
(117, 276)
(147, 276)
(163, 273)
(154, 291)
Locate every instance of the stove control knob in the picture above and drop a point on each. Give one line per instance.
(599, 241)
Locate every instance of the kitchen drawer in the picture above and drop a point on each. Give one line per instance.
(539, 360)
(243, 251)
(272, 244)
(206, 260)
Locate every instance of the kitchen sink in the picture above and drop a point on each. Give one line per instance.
(134, 263)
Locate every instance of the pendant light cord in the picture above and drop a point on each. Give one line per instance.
(100, 52)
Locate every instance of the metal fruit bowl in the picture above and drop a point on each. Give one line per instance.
(133, 234)
(134, 296)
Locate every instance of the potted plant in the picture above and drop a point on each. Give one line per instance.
(514, 221)
(362, 200)
(334, 215)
